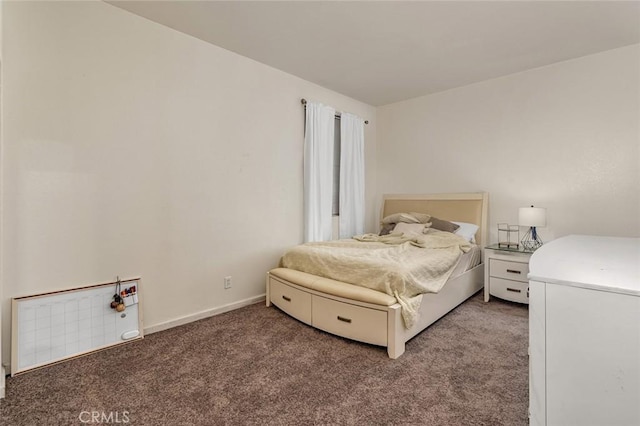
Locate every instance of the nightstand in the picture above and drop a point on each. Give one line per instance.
(505, 273)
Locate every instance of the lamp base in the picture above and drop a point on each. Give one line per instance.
(531, 241)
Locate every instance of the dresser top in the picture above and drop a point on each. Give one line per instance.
(600, 263)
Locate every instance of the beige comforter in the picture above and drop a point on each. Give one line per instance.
(399, 266)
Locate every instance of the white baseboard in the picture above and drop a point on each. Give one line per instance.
(203, 314)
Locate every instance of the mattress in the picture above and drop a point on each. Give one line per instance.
(466, 262)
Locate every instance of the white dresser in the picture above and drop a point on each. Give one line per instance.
(584, 332)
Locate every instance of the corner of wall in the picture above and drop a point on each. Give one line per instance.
(2, 370)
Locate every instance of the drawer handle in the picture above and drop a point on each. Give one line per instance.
(343, 319)
(288, 299)
(513, 271)
(515, 290)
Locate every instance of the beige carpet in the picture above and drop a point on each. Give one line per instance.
(258, 366)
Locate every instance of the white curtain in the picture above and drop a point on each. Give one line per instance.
(318, 171)
(351, 175)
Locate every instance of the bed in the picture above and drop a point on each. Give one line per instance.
(371, 316)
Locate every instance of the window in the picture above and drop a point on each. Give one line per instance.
(333, 182)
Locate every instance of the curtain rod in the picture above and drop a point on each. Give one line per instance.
(304, 102)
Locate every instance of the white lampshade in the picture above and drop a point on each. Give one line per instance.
(532, 216)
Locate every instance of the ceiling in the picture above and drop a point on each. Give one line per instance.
(387, 51)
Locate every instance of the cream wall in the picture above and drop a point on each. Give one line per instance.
(565, 137)
(131, 149)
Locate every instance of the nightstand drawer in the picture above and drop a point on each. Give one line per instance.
(509, 270)
(515, 291)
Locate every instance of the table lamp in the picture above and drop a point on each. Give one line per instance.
(532, 217)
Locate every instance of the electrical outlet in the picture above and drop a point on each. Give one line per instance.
(227, 282)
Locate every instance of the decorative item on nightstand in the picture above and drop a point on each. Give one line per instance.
(532, 217)
(508, 235)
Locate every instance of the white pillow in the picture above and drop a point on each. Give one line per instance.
(467, 231)
(410, 229)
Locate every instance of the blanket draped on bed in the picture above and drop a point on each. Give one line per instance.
(400, 266)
